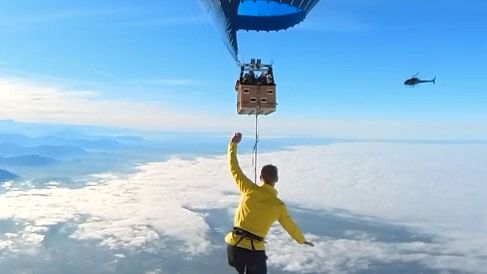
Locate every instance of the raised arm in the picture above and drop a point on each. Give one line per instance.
(244, 184)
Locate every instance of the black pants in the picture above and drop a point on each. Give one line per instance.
(247, 261)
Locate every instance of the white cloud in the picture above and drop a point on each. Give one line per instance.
(434, 189)
(403, 182)
(120, 15)
(28, 101)
(155, 271)
(7, 185)
(330, 255)
(128, 212)
(31, 102)
(26, 242)
(4, 245)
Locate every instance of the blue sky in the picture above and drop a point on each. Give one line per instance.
(162, 65)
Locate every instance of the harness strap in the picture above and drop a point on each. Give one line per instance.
(245, 234)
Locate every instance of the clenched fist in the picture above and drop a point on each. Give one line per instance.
(237, 137)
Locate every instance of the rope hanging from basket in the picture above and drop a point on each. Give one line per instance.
(254, 159)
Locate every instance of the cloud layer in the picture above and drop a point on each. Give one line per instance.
(436, 190)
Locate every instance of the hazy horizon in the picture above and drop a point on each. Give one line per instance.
(369, 207)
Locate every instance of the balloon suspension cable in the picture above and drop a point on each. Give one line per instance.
(254, 160)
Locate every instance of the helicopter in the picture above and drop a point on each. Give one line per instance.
(414, 80)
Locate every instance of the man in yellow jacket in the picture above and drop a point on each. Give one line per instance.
(259, 208)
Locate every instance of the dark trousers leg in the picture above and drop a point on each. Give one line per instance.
(247, 261)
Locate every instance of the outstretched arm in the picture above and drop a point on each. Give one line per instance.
(288, 224)
(244, 184)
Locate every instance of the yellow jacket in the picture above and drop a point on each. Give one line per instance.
(259, 208)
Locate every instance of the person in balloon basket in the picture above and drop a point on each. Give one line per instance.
(249, 78)
(259, 208)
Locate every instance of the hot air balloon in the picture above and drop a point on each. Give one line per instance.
(256, 15)
(256, 89)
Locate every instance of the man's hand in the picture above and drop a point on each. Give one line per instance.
(237, 137)
(309, 243)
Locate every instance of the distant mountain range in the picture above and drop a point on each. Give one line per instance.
(104, 143)
(51, 151)
(5, 175)
(28, 160)
(37, 149)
